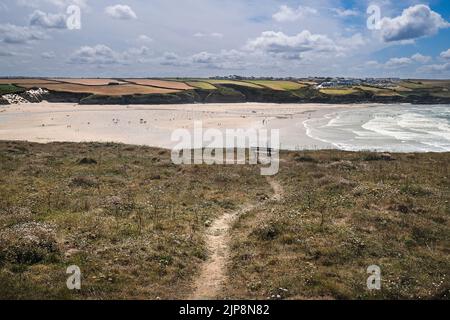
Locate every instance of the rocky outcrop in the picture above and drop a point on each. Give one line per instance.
(35, 95)
(3, 101)
(13, 98)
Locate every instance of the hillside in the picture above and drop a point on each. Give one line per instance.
(140, 227)
(177, 91)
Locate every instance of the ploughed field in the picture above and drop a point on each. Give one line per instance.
(137, 225)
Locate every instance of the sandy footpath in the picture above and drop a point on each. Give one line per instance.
(152, 125)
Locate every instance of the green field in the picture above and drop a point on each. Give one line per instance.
(190, 90)
(9, 88)
(234, 82)
(338, 91)
(201, 85)
(279, 85)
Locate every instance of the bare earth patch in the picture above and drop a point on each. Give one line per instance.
(213, 275)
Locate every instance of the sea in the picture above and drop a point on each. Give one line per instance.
(385, 128)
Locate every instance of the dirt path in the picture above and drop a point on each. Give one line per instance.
(213, 272)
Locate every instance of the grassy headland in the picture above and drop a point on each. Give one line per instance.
(135, 223)
(188, 90)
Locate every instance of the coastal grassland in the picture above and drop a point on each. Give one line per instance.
(380, 91)
(9, 88)
(90, 82)
(341, 91)
(435, 88)
(433, 83)
(280, 85)
(131, 220)
(236, 83)
(167, 84)
(201, 85)
(135, 223)
(105, 90)
(341, 213)
(29, 81)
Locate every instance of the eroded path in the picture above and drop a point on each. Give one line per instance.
(213, 272)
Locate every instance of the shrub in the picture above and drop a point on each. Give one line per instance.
(268, 231)
(305, 158)
(28, 243)
(84, 182)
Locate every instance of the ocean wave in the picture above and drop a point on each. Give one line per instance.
(394, 128)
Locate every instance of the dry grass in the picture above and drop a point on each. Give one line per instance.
(341, 213)
(118, 90)
(130, 219)
(434, 83)
(414, 85)
(135, 223)
(379, 91)
(161, 84)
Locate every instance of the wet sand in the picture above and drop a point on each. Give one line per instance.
(152, 125)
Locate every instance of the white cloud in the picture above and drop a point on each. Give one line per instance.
(398, 62)
(345, 12)
(225, 59)
(120, 11)
(104, 55)
(406, 61)
(445, 54)
(415, 22)
(144, 38)
(203, 57)
(291, 47)
(288, 14)
(435, 68)
(142, 51)
(48, 55)
(10, 33)
(212, 35)
(99, 54)
(173, 59)
(48, 20)
(421, 58)
(62, 4)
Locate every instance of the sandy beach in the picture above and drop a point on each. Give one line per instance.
(352, 127)
(153, 125)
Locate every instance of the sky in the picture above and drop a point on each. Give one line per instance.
(203, 38)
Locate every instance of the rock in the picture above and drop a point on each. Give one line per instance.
(14, 99)
(3, 101)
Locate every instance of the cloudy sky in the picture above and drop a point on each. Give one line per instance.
(156, 38)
